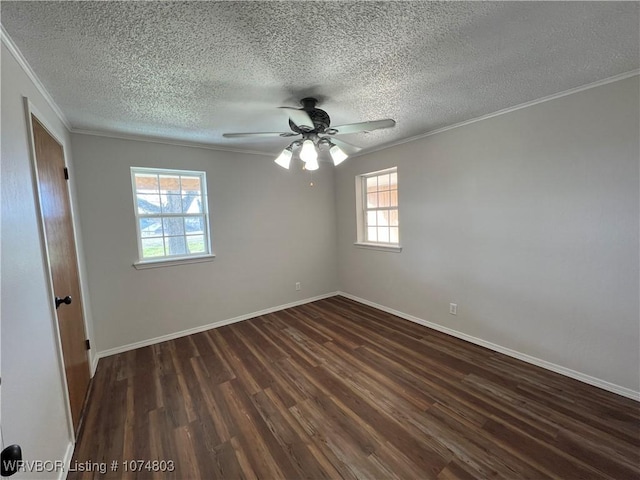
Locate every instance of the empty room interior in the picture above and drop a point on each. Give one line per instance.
(320, 239)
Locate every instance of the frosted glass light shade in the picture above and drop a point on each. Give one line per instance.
(338, 155)
(312, 164)
(284, 159)
(308, 153)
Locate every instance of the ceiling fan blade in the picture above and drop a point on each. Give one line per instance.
(361, 127)
(300, 118)
(260, 134)
(348, 148)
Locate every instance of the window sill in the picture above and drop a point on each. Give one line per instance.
(170, 262)
(378, 246)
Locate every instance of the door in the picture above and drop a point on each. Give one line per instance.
(55, 208)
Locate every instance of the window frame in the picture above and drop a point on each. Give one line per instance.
(168, 260)
(362, 210)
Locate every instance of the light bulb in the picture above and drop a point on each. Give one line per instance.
(312, 164)
(338, 155)
(308, 153)
(284, 159)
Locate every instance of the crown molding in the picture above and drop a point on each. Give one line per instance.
(12, 47)
(520, 106)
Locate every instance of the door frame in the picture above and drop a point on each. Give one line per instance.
(30, 110)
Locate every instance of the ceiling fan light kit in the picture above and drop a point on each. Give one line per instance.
(284, 159)
(312, 164)
(308, 152)
(314, 126)
(338, 155)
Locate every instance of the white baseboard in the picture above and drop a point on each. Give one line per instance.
(202, 328)
(611, 387)
(93, 362)
(67, 461)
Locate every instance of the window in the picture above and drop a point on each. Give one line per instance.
(378, 209)
(171, 214)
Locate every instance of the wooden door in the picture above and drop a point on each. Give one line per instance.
(55, 207)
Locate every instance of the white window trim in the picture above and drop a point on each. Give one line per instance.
(168, 261)
(360, 212)
(379, 246)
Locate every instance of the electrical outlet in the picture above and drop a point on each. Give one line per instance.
(453, 308)
(298, 286)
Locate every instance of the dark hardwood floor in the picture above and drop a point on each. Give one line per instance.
(336, 389)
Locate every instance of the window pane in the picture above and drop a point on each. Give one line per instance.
(148, 203)
(146, 183)
(393, 235)
(175, 245)
(169, 184)
(190, 185)
(194, 225)
(393, 198)
(379, 192)
(171, 213)
(192, 204)
(371, 219)
(150, 227)
(372, 184)
(171, 204)
(383, 234)
(195, 243)
(383, 199)
(173, 226)
(152, 247)
(383, 182)
(393, 218)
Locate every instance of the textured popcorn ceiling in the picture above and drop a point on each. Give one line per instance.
(194, 70)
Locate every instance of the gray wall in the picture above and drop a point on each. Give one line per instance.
(34, 412)
(528, 221)
(269, 228)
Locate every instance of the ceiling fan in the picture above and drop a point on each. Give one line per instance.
(317, 133)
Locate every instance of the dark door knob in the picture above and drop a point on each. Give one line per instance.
(11, 460)
(59, 301)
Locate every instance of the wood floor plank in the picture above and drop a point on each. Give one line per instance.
(336, 389)
(274, 381)
(546, 456)
(246, 470)
(374, 376)
(188, 467)
(339, 442)
(215, 368)
(231, 357)
(226, 462)
(300, 434)
(289, 440)
(210, 410)
(267, 458)
(421, 449)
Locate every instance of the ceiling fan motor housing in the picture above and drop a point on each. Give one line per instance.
(319, 117)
